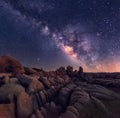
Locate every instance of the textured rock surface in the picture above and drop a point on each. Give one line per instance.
(7, 111)
(10, 64)
(63, 93)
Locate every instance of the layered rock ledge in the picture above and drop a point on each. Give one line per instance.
(64, 93)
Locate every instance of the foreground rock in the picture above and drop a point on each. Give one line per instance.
(64, 93)
(10, 64)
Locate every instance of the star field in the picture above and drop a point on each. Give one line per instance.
(54, 33)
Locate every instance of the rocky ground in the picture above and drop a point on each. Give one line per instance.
(64, 93)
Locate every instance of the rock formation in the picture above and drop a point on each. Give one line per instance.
(34, 93)
(10, 64)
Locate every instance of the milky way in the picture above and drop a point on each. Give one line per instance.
(56, 33)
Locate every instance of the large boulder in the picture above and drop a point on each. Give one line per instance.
(15, 93)
(24, 105)
(7, 111)
(8, 91)
(35, 85)
(86, 105)
(9, 64)
(45, 82)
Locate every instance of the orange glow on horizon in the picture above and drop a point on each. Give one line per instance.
(111, 67)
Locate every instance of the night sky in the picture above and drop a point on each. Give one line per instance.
(54, 33)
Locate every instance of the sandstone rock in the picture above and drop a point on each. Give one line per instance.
(88, 106)
(7, 111)
(24, 81)
(13, 80)
(52, 110)
(52, 81)
(59, 80)
(51, 94)
(99, 109)
(61, 71)
(64, 95)
(43, 97)
(53, 107)
(79, 96)
(24, 105)
(8, 91)
(56, 94)
(44, 112)
(81, 101)
(52, 74)
(66, 78)
(29, 71)
(6, 79)
(45, 82)
(35, 85)
(34, 102)
(101, 92)
(9, 64)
